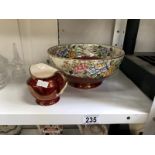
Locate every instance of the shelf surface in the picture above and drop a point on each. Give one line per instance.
(114, 101)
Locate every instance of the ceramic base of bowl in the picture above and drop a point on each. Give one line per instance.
(85, 85)
(47, 102)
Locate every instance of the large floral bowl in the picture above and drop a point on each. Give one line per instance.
(86, 65)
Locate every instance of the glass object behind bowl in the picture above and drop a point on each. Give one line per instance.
(18, 67)
(4, 78)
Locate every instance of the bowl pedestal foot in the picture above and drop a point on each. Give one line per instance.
(86, 85)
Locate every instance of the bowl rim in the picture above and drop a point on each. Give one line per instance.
(116, 57)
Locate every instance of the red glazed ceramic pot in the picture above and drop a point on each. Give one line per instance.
(46, 84)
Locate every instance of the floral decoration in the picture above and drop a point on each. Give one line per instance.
(74, 63)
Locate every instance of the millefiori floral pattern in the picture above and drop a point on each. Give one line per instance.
(86, 60)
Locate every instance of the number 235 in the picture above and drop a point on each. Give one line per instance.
(91, 120)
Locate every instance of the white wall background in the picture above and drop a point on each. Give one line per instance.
(9, 33)
(86, 31)
(34, 37)
(37, 36)
(146, 36)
